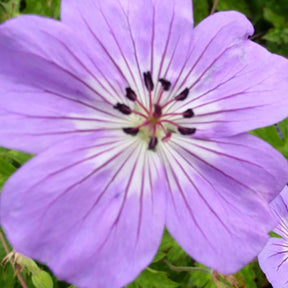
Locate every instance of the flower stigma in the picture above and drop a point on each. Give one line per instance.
(153, 123)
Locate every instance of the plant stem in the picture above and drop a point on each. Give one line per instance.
(4, 243)
(189, 269)
(216, 2)
(21, 280)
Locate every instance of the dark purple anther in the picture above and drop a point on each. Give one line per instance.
(183, 95)
(131, 131)
(152, 144)
(165, 84)
(123, 108)
(148, 81)
(188, 113)
(157, 111)
(186, 131)
(130, 94)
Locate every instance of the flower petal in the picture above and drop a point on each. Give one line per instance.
(273, 261)
(138, 36)
(50, 87)
(280, 208)
(235, 84)
(274, 257)
(88, 210)
(218, 199)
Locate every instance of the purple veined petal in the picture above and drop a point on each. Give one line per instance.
(92, 210)
(245, 159)
(217, 206)
(138, 36)
(33, 119)
(235, 84)
(55, 56)
(280, 208)
(211, 38)
(48, 86)
(273, 259)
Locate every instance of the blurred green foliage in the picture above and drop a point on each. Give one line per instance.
(172, 267)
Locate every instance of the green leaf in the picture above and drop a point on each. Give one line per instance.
(9, 9)
(271, 135)
(249, 276)
(239, 5)
(201, 278)
(200, 9)
(42, 279)
(160, 255)
(9, 162)
(276, 19)
(6, 167)
(284, 129)
(150, 278)
(7, 277)
(43, 7)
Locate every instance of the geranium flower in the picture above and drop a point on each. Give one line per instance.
(139, 122)
(274, 257)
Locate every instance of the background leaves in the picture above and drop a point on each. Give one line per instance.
(172, 267)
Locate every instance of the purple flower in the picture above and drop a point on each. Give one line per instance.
(274, 257)
(138, 121)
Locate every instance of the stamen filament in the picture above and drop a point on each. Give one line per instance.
(169, 102)
(167, 137)
(172, 114)
(186, 114)
(150, 102)
(139, 113)
(142, 106)
(167, 134)
(170, 122)
(146, 123)
(160, 95)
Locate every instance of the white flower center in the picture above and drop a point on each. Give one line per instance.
(152, 124)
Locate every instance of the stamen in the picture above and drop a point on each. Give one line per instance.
(139, 113)
(167, 137)
(148, 81)
(157, 111)
(131, 131)
(188, 113)
(186, 131)
(165, 84)
(130, 94)
(152, 144)
(183, 95)
(123, 108)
